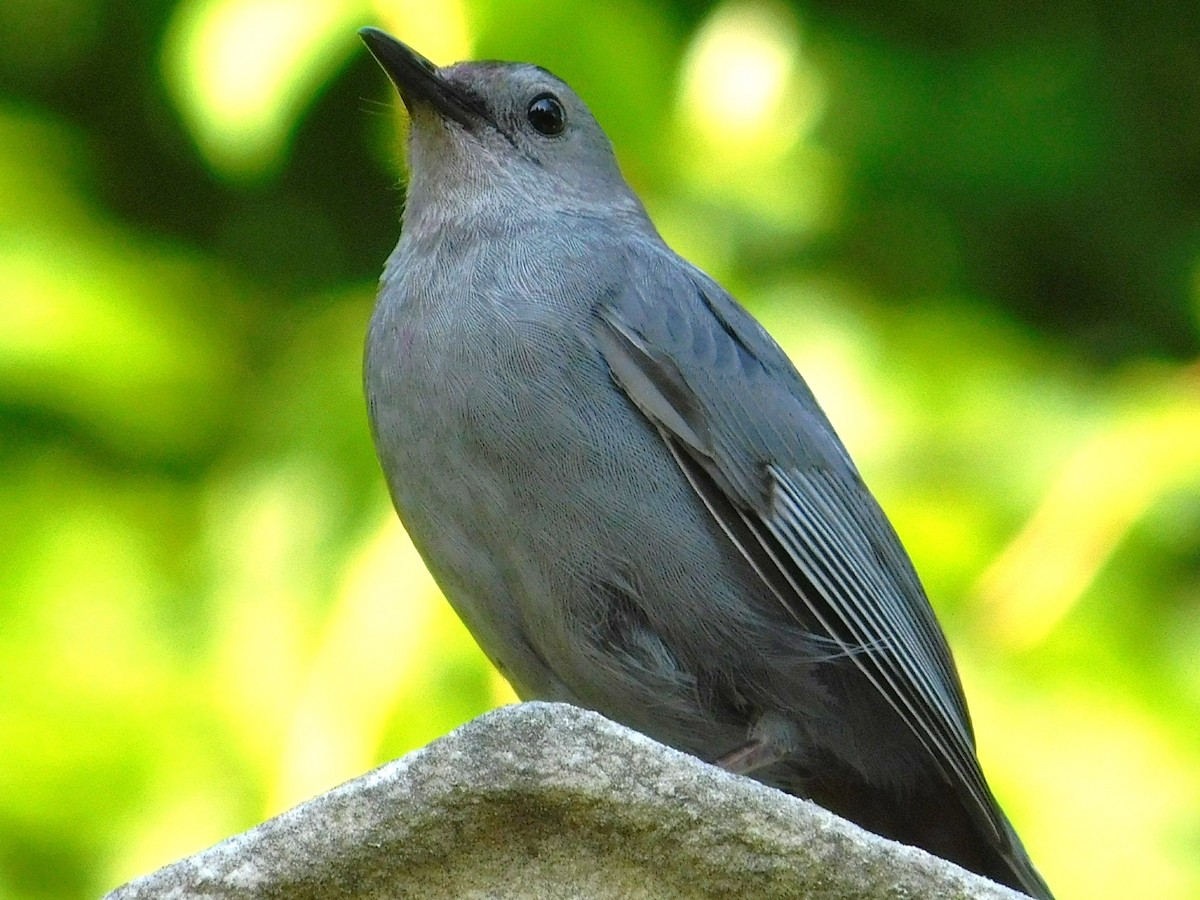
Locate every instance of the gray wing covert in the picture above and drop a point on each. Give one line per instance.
(747, 432)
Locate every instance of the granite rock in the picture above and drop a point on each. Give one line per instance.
(546, 800)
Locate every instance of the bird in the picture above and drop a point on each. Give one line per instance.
(627, 491)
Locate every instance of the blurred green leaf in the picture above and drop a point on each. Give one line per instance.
(974, 229)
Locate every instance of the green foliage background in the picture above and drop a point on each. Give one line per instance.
(975, 227)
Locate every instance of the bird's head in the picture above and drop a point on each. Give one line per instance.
(500, 133)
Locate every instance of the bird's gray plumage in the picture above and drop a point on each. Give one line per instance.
(627, 491)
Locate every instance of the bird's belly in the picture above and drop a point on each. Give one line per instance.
(567, 539)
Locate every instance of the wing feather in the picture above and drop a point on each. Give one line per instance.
(761, 455)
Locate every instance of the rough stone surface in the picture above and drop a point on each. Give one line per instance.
(546, 800)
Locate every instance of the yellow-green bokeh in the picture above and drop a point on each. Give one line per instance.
(209, 610)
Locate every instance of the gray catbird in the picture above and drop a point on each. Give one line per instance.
(629, 494)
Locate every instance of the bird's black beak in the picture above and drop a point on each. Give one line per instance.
(419, 81)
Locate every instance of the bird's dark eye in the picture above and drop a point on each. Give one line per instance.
(547, 115)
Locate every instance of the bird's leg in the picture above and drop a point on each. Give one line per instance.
(772, 739)
(755, 754)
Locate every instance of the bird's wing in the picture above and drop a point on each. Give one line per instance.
(753, 442)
